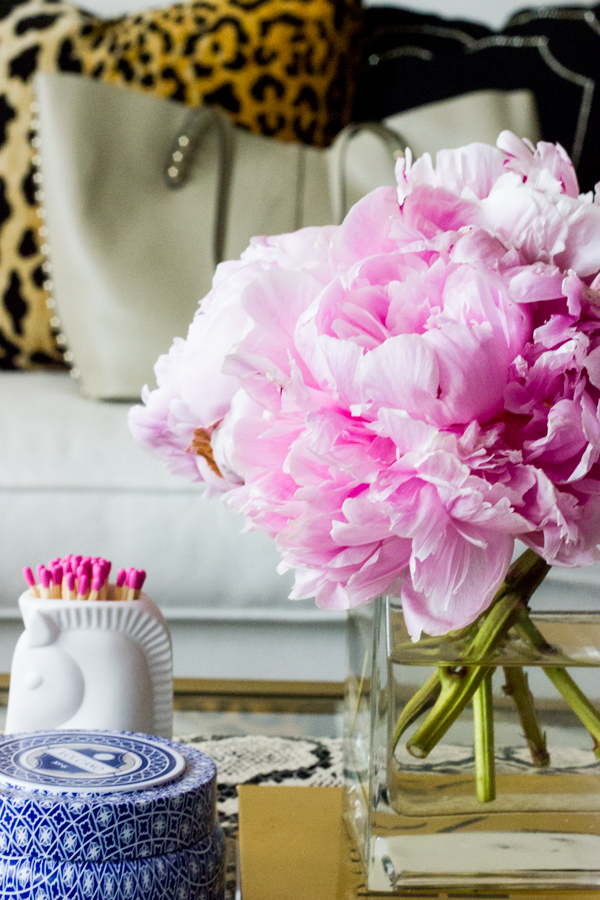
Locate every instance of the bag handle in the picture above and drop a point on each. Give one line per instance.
(183, 154)
(394, 144)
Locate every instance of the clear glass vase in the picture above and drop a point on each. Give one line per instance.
(419, 822)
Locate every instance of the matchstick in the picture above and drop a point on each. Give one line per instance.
(45, 581)
(130, 592)
(57, 578)
(106, 567)
(96, 585)
(30, 579)
(83, 588)
(71, 592)
(121, 579)
(139, 583)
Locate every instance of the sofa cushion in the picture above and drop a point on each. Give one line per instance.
(52, 438)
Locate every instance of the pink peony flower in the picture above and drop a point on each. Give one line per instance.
(397, 399)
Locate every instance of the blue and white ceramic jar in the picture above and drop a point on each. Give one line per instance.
(96, 815)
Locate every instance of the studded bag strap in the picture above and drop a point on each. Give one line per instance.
(182, 157)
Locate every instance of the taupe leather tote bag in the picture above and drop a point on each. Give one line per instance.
(141, 199)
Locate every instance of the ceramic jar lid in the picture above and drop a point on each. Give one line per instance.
(98, 795)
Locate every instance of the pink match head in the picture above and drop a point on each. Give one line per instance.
(140, 577)
(29, 576)
(84, 585)
(45, 577)
(99, 574)
(39, 571)
(96, 583)
(70, 581)
(130, 578)
(57, 574)
(121, 577)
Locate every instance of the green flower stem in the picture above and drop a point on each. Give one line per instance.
(517, 687)
(578, 702)
(457, 689)
(419, 703)
(531, 634)
(459, 685)
(562, 681)
(529, 563)
(483, 726)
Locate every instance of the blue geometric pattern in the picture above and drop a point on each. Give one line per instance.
(103, 827)
(193, 874)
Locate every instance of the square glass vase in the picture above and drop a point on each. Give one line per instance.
(418, 823)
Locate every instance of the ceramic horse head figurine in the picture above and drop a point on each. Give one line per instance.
(102, 664)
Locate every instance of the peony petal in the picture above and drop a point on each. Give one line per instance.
(401, 373)
(365, 229)
(539, 281)
(582, 244)
(448, 591)
(473, 373)
(430, 209)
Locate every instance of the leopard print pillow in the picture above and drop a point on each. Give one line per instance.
(278, 67)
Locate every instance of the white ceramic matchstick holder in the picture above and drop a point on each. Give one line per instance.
(104, 664)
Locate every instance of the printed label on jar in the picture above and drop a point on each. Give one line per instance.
(79, 762)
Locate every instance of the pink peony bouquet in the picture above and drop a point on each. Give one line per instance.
(397, 399)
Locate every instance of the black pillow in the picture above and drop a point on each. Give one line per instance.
(411, 59)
